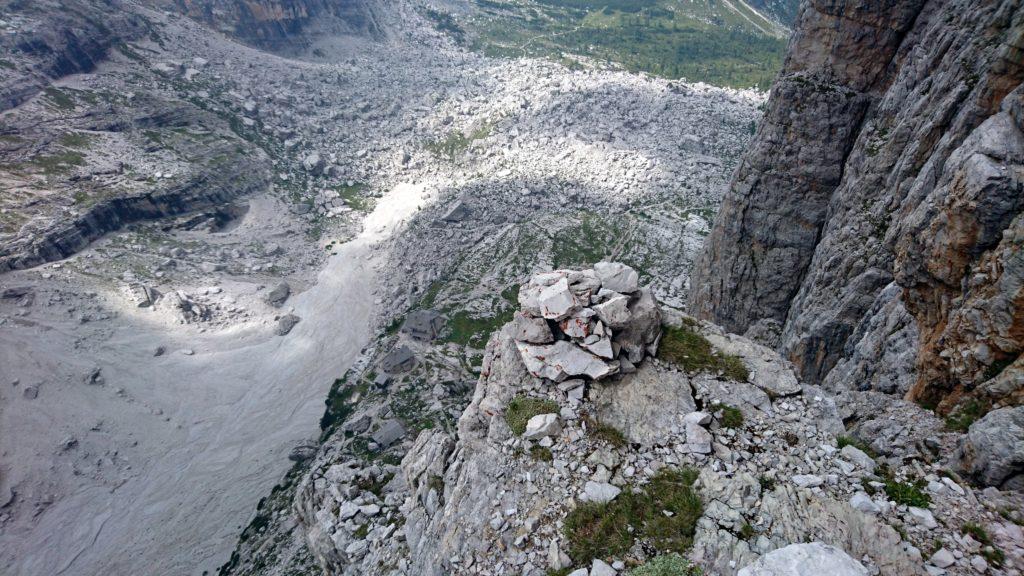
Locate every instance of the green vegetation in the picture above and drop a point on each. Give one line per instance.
(590, 240)
(692, 352)
(375, 485)
(731, 417)
(603, 431)
(467, 330)
(76, 140)
(702, 40)
(666, 565)
(844, 441)
(455, 143)
(541, 454)
(340, 404)
(602, 530)
(446, 23)
(354, 197)
(990, 551)
(767, 484)
(911, 494)
(966, 414)
(59, 99)
(522, 408)
(58, 163)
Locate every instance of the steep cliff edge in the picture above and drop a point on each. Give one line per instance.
(873, 232)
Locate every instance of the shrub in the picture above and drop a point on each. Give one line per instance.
(600, 530)
(541, 454)
(692, 352)
(522, 408)
(731, 417)
(666, 565)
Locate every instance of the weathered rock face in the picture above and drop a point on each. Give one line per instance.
(277, 24)
(878, 210)
(66, 37)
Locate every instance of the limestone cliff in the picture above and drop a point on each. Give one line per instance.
(280, 24)
(873, 231)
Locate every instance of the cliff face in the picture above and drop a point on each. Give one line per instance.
(57, 39)
(873, 231)
(279, 24)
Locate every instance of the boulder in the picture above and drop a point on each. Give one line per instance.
(599, 492)
(992, 452)
(277, 296)
(542, 425)
(313, 163)
(557, 302)
(614, 312)
(617, 276)
(285, 324)
(531, 330)
(813, 559)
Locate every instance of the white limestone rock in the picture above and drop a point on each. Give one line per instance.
(813, 559)
(618, 277)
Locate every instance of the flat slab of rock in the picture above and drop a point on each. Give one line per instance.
(814, 559)
(563, 360)
(644, 405)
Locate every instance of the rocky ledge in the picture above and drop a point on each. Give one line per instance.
(710, 454)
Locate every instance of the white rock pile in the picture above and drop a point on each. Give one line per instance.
(587, 323)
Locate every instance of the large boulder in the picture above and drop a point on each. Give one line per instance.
(814, 559)
(993, 450)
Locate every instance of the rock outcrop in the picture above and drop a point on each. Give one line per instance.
(283, 24)
(873, 231)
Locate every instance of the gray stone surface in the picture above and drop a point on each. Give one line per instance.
(812, 559)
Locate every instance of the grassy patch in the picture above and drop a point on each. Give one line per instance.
(669, 38)
(731, 417)
(911, 494)
(456, 142)
(541, 454)
(353, 197)
(692, 352)
(666, 565)
(604, 432)
(59, 99)
(474, 332)
(76, 140)
(340, 404)
(59, 163)
(966, 414)
(844, 441)
(603, 530)
(522, 408)
(990, 551)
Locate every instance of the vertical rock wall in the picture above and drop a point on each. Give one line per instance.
(879, 208)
